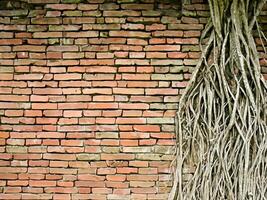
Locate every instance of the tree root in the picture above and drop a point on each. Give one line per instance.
(222, 116)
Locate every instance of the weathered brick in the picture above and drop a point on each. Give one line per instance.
(58, 156)
(133, 26)
(16, 149)
(45, 20)
(136, 34)
(78, 20)
(88, 157)
(168, 33)
(119, 156)
(47, 34)
(121, 13)
(128, 91)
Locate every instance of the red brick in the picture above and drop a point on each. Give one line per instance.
(136, 34)
(53, 113)
(61, 196)
(71, 142)
(67, 76)
(33, 113)
(39, 98)
(31, 142)
(106, 91)
(132, 113)
(131, 121)
(121, 191)
(133, 106)
(162, 48)
(65, 121)
(142, 84)
(10, 196)
(90, 177)
(192, 33)
(180, 84)
(157, 41)
(51, 142)
(116, 184)
(102, 105)
(28, 77)
(50, 135)
(8, 176)
(10, 41)
(14, 113)
(18, 183)
(136, 76)
(162, 135)
(138, 163)
(166, 142)
(155, 27)
(147, 142)
(37, 163)
(128, 91)
(42, 183)
(147, 128)
(102, 190)
(46, 120)
(30, 48)
(72, 106)
(119, 178)
(165, 91)
(58, 163)
(133, 135)
(156, 55)
(90, 183)
(109, 142)
(44, 106)
(127, 170)
(105, 171)
(146, 99)
(177, 55)
(59, 156)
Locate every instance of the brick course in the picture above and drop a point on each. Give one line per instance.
(88, 95)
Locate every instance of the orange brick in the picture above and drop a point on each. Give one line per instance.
(147, 128)
(147, 142)
(127, 170)
(119, 178)
(71, 142)
(129, 142)
(131, 121)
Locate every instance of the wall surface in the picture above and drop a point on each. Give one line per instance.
(88, 96)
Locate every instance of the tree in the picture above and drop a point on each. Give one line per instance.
(222, 115)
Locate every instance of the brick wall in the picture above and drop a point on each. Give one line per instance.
(88, 96)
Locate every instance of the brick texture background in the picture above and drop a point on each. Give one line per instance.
(88, 95)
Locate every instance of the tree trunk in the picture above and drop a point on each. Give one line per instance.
(222, 115)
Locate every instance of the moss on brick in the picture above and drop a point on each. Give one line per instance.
(16, 149)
